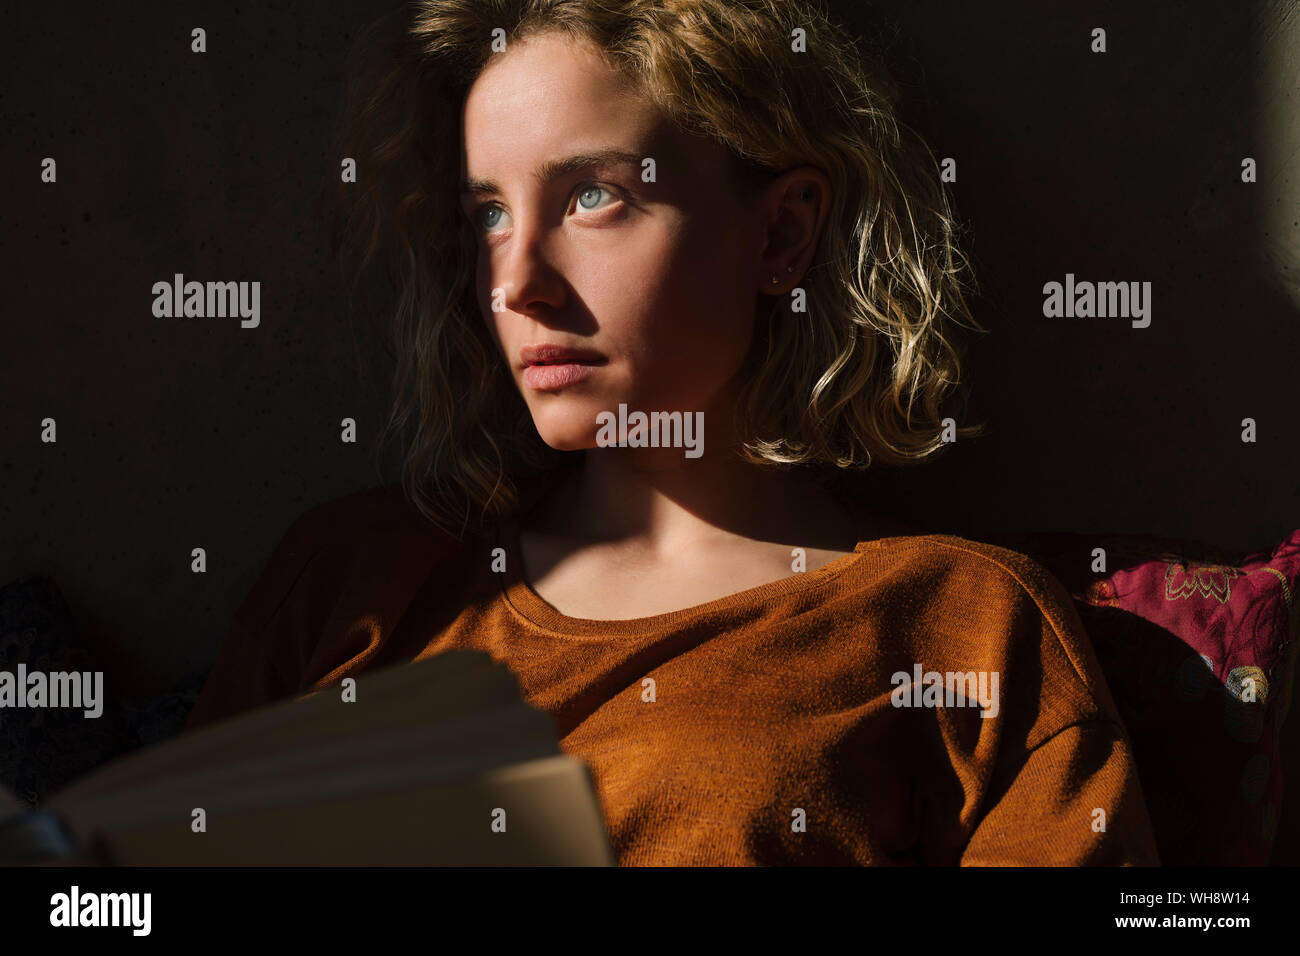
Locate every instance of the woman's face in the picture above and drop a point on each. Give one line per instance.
(656, 283)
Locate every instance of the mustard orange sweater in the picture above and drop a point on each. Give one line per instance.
(824, 718)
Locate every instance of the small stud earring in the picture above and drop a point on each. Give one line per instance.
(774, 280)
(789, 268)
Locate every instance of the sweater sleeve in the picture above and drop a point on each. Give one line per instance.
(1074, 801)
(260, 659)
(1050, 780)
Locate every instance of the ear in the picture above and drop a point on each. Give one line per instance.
(796, 204)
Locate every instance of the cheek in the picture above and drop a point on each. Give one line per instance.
(703, 319)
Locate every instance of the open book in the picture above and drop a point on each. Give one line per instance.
(440, 762)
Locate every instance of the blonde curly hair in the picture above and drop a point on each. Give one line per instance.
(872, 360)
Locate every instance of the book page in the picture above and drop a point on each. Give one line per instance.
(449, 685)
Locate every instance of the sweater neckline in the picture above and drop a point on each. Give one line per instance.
(531, 606)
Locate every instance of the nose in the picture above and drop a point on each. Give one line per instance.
(525, 272)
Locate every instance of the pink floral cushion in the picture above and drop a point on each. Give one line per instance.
(1198, 650)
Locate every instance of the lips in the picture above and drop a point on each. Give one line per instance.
(549, 367)
(549, 354)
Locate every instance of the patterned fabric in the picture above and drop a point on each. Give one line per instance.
(41, 749)
(1199, 651)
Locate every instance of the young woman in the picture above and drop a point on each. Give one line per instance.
(705, 212)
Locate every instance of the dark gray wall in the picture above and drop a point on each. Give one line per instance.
(178, 433)
(1119, 166)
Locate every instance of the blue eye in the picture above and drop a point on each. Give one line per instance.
(588, 190)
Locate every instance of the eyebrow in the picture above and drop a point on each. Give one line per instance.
(555, 168)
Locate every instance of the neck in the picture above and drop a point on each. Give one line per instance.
(662, 501)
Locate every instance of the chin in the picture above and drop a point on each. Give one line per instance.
(570, 443)
(566, 435)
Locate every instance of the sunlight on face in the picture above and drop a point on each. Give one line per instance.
(655, 284)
